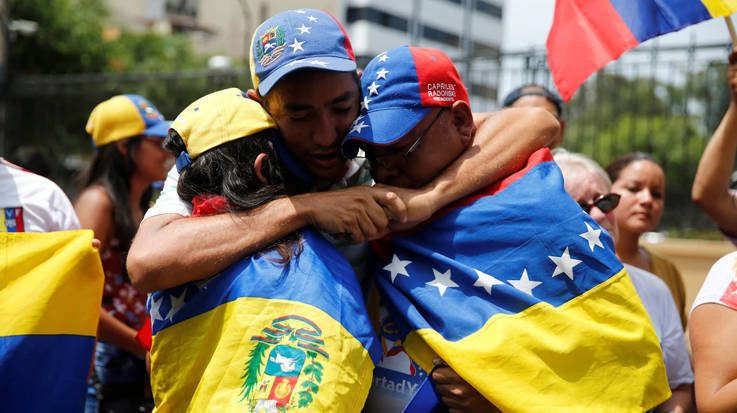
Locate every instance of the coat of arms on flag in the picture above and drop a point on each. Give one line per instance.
(284, 362)
(263, 336)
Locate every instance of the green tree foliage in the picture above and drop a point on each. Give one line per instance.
(615, 115)
(82, 67)
(709, 87)
(68, 39)
(646, 116)
(151, 52)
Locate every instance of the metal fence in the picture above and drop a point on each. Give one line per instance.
(664, 101)
(45, 116)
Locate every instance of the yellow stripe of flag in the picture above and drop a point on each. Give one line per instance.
(36, 292)
(571, 358)
(199, 364)
(718, 8)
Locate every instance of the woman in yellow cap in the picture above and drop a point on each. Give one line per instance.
(275, 327)
(127, 131)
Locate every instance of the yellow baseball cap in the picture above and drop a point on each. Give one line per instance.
(220, 117)
(125, 116)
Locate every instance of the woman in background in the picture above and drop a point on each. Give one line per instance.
(127, 131)
(640, 181)
(590, 186)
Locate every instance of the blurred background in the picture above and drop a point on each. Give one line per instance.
(58, 58)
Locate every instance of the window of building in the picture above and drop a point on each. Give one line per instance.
(401, 24)
(182, 7)
(489, 8)
(379, 17)
(483, 7)
(441, 36)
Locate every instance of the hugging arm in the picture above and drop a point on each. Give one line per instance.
(502, 143)
(171, 249)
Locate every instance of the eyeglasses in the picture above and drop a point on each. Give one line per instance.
(417, 141)
(382, 160)
(605, 203)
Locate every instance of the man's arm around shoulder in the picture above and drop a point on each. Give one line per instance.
(502, 143)
(171, 249)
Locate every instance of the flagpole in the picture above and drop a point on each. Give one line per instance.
(732, 32)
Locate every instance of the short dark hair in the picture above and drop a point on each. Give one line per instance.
(533, 89)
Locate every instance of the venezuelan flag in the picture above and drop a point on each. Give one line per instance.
(50, 294)
(518, 290)
(588, 34)
(262, 336)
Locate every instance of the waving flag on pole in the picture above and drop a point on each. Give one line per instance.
(519, 291)
(588, 34)
(50, 294)
(263, 336)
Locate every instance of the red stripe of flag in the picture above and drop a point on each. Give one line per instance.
(585, 36)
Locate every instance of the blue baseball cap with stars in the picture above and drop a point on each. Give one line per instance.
(295, 40)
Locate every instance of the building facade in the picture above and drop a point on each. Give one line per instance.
(216, 26)
(464, 29)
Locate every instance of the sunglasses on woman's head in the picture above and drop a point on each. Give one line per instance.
(605, 203)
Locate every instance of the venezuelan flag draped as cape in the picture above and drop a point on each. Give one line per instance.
(262, 335)
(587, 34)
(50, 294)
(520, 293)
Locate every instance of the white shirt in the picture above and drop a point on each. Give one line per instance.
(661, 308)
(32, 203)
(720, 284)
(169, 201)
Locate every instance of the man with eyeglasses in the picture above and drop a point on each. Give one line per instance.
(416, 121)
(408, 148)
(589, 185)
(436, 130)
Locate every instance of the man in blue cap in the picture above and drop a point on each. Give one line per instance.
(417, 122)
(304, 74)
